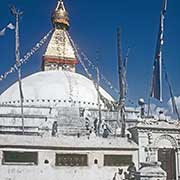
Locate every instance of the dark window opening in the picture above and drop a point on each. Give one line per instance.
(46, 162)
(13, 157)
(71, 160)
(95, 161)
(117, 160)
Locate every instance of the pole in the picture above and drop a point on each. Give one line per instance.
(99, 102)
(149, 106)
(121, 109)
(120, 68)
(156, 82)
(174, 105)
(17, 13)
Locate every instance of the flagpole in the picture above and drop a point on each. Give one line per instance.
(17, 13)
(149, 98)
(174, 105)
(121, 108)
(99, 102)
(156, 82)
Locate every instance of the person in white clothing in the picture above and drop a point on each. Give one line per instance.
(119, 175)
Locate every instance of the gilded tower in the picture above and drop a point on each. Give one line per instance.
(59, 54)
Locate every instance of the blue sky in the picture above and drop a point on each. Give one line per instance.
(93, 28)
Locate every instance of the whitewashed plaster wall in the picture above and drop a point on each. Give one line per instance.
(50, 171)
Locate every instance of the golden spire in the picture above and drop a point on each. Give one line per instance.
(60, 18)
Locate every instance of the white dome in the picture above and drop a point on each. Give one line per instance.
(54, 88)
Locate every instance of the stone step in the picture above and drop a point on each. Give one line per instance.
(72, 130)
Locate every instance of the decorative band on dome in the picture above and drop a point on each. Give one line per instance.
(45, 101)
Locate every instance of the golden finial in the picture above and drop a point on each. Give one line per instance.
(60, 18)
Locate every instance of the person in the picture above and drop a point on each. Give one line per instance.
(87, 123)
(96, 125)
(92, 134)
(119, 175)
(54, 128)
(131, 169)
(81, 112)
(106, 130)
(87, 116)
(126, 176)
